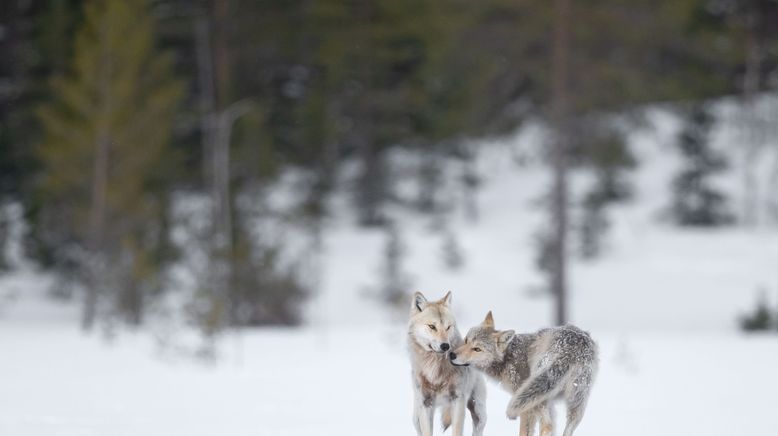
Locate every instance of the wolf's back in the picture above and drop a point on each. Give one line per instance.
(572, 364)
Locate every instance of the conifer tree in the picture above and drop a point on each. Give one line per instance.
(760, 317)
(610, 160)
(451, 251)
(103, 156)
(696, 201)
(394, 281)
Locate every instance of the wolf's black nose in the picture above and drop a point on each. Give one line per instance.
(444, 346)
(452, 356)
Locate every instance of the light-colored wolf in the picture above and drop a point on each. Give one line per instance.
(432, 333)
(558, 362)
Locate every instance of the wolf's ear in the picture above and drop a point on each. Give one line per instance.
(419, 301)
(447, 299)
(489, 320)
(504, 338)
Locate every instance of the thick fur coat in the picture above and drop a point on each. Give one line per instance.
(432, 334)
(559, 362)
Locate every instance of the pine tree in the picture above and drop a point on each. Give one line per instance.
(609, 159)
(451, 251)
(560, 109)
(387, 69)
(5, 233)
(104, 158)
(394, 281)
(760, 318)
(696, 201)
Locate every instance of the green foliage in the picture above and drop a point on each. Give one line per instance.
(118, 94)
(451, 251)
(696, 201)
(627, 53)
(760, 318)
(264, 290)
(394, 281)
(334, 81)
(609, 158)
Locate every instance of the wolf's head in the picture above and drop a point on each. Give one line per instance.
(431, 323)
(483, 345)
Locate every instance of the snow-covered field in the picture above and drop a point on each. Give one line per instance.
(661, 302)
(353, 381)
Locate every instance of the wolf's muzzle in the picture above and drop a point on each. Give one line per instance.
(452, 356)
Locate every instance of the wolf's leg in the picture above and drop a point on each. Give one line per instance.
(458, 415)
(576, 405)
(416, 423)
(528, 421)
(576, 402)
(477, 406)
(574, 416)
(546, 412)
(423, 415)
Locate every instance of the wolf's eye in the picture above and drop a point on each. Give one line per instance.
(476, 349)
(448, 328)
(432, 327)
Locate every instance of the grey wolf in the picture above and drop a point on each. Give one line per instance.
(432, 333)
(535, 368)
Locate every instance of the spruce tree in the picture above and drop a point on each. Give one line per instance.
(760, 317)
(609, 158)
(696, 201)
(395, 282)
(104, 158)
(451, 251)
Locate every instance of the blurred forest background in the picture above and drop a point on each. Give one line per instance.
(143, 138)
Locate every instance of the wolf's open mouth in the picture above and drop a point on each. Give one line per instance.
(460, 364)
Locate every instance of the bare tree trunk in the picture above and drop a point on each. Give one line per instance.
(218, 116)
(220, 53)
(96, 228)
(772, 188)
(97, 213)
(560, 121)
(751, 138)
(329, 163)
(470, 180)
(214, 74)
(372, 180)
(222, 217)
(205, 83)
(208, 127)
(222, 206)
(371, 185)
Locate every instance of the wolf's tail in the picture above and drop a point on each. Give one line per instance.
(540, 388)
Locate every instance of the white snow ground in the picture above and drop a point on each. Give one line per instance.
(56, 382)
(661, 303)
